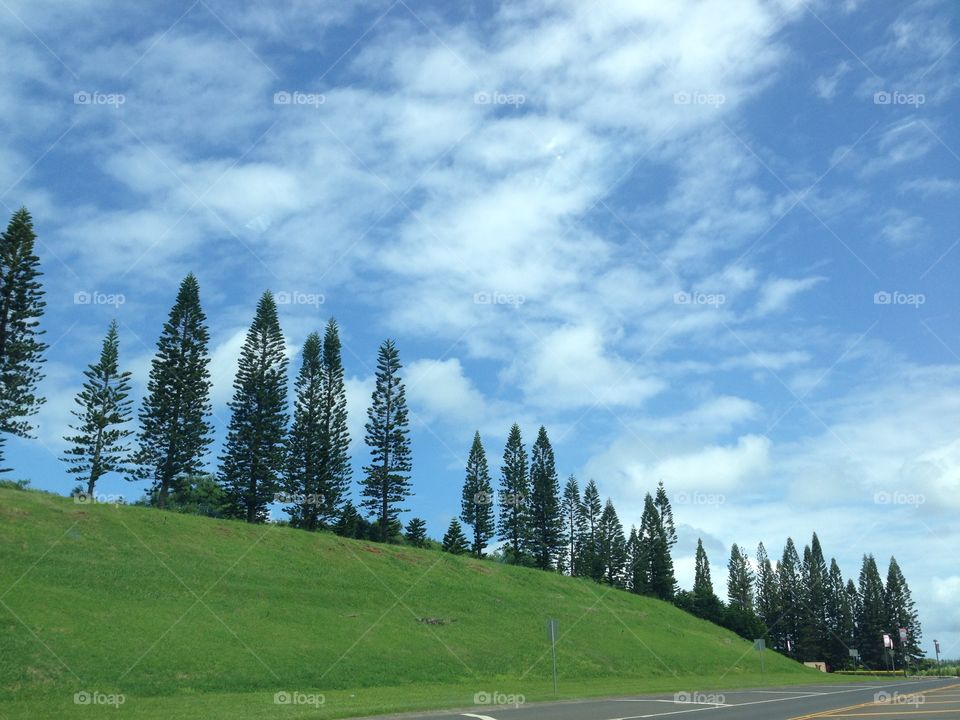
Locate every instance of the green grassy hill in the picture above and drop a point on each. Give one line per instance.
(192, 617)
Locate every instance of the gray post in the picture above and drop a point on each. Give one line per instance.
(552, 628)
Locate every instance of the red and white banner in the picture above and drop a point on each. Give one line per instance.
(887, 641)
(903, 635)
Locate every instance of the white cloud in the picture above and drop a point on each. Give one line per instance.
(825, 86)
(570, 367)
(359, 392)
(223, 366)
(902, 230)
(439, 390)
(775, 295)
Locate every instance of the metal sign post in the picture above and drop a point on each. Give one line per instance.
(903, 646)
(936, 648)
(759, 645)
(553, 630)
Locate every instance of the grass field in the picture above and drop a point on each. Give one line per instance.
(184, 617)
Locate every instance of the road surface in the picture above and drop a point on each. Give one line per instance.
(925, 699)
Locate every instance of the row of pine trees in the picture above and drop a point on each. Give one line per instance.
(573, 533)
(806, 609)
(300, 458)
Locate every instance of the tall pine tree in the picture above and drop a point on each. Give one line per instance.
(662, 503)
(318, 460)
(304, 454)
(571, 512)
(706, 604)
(739, 580)
(790, 601)
(856, 609)
(767, 593)
(99, 445)
(514, 525)
(21, 306)
(839, 620)
(902, 613)
(656, 539)
(872, 618)
(638, 564)
(612, 548)
(387, 483)
(175, 428)
(546, 525)
(814, 635)
(336, 472)
(476, 502)
(589, 561)
(255, 451)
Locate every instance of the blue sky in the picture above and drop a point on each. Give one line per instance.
(708, 242)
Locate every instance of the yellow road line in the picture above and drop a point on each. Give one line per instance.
(875, 704)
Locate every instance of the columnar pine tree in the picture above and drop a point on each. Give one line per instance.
(21, 306)
(546, 525)
(814, 637)
(254, 454)
(416, 532)
(612, 548)
(175, 428)
(387, 483)
(839, 620)
(514, 525)
(454, 541)
(662, 503)
(767, 600)
(335, 469)
(872, 618)
(99, 445)
(902, 613)
(739, 580)
(790, 600)
(304, 456)
(571, 511)
(856, 610)
(705, 601)
(656, 538)
(638, 564)
(476, 502)
(589, 561)
(318, 461)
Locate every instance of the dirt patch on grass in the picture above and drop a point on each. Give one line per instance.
(372, 549)
(435, 621)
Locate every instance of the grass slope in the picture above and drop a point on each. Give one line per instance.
(192, 617)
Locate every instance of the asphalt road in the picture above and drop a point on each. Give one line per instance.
(927, 699)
